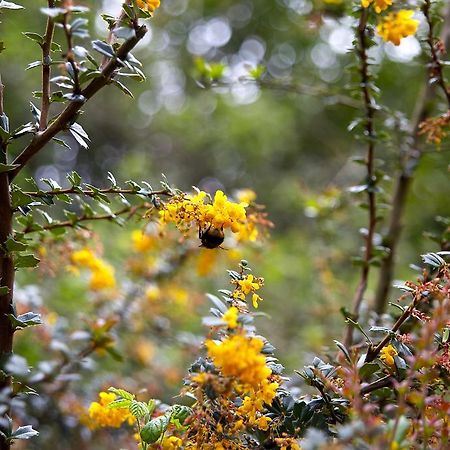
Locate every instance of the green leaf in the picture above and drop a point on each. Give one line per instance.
(139, 409)
(4, 290)
(123, 88)
(18, 198)
(103, 48)
(122, 393)
(25, 320)
(53, 12)
(9, 5)
(15, 246)
(121, 403)
(368, 369)
(7, 167)
(26, 261)
(34, 37)
(25, 432)
(154, 429)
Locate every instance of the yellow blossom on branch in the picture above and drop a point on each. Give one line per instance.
(102, 273)
(397, 25)
(387, 355)
(148, 5)
(231, 316)
(142, 242)
(103, 416)
(248, 285)
(240, 357)
(379, 5)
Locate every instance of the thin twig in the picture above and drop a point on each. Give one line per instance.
(378, 384)
(295, 88)
(93, 193)
(46, 69)
(373, 351)
(370, 135)
(131, 210)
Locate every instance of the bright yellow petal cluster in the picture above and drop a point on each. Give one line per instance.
(142, 242)
(387, 355)
(148, 5)
(397, 25)
(240, 357)
(225, 214)
(248, 285)
(379, 5)
(171, 443)
(184, 211)
(231, 316)
(102, 273)
(102, 416)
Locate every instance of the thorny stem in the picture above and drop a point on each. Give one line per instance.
(410, 161)
(378, 384)
(373, 351)
(46, 69)
(131, 210)
(62, 121)
(93, 193)
(370, 135)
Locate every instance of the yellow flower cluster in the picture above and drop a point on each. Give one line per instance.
(102, 416)
(249, 284)
(231, 317)
(102, 273)
(171, 443)
(148, 5)
(397, 25)
(142, 242)
(239, 357)
(387, 355)
(220, 214)
(379, 5)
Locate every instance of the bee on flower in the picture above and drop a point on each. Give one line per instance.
(211, 216)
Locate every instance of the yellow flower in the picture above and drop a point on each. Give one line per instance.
(148, 5)
(187, 210)
(240, 357)
(84, 257)
(397, 25)
(263, 423)
(171, 443)
(142, 242)
(102, 416)
(387, 355)
(248, 285)
(102, 273)
(255, 299)
(231, 316)
(380, 5)
(102, 276)
(245, 196)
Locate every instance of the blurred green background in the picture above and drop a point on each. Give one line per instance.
(294, 150)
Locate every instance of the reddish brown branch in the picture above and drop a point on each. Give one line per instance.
(370, 135)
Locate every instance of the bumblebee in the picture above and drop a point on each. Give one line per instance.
(211, 237)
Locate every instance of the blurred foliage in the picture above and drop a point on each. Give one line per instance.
(202, 120)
